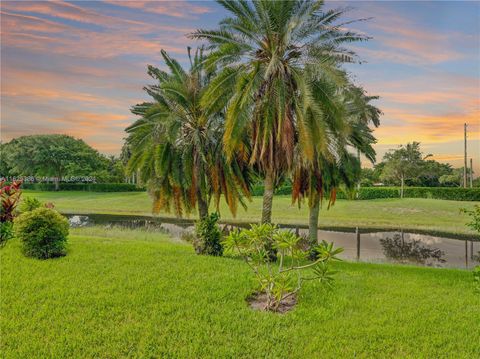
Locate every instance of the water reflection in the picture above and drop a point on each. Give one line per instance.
(397, 249)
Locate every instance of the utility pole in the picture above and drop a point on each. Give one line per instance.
(471, 172)
(465, 157)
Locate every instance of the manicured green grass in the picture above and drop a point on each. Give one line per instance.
(409, 213)
(121, 293)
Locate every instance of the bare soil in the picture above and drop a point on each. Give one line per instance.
(258, 301)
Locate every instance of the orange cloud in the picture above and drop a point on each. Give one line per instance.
(400, 126)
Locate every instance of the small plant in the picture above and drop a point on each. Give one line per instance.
(475, 217)
(476, 278)
(43, 233)
(208, 236)
(10, 196)
(279, 282)
(29, 204)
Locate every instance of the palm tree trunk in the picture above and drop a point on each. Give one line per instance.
(202, 206)
(313, 223)
(201, 202)
(268, 197)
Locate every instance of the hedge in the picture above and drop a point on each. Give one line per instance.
(450, 193)
(87, 187)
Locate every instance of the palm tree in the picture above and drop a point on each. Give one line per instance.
(271, 53)
(347, 114)
(176, 145)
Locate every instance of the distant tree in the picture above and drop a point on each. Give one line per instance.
(454, 178)
(403, 163)
(113, 171)
(5, 169)
(431, 171)
(53, 156)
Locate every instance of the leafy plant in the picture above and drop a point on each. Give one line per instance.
(10, 196)
(208, 236)
(475, 217)
(283, 280)
(476, 278)
(29, 204)
(43, 233)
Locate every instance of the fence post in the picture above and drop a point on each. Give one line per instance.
(357, 233)
(471, 250)
(466, 253)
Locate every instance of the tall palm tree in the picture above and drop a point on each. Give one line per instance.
(176, 145)
(265, 49)
(347, 114)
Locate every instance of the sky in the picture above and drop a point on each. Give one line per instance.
(76, 67)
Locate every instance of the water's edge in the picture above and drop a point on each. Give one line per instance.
(101, 217)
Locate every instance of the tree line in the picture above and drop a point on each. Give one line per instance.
(58, 157)
(407, 165)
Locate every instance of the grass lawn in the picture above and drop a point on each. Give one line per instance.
(139, 294)
(408, 213)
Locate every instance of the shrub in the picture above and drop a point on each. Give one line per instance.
(208, 236)
(87, 187)
(6, 232)
(476, 278)
(475, 216)
(29, 204)
(10, 196)
(280, 282)
(449, 193)
(43, 233)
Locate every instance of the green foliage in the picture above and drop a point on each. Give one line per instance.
(284, 280)
(286, 97)
(86, 187)
(365, 193)
(403, 163)
(447, 193)
(10, 197)
(6, 232)
(475, 218)
(29, 204)
(476, 278)
(208, 238)
(176, 144)
(57, 156)
(43, 233)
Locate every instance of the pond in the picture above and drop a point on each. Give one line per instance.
(374, 246)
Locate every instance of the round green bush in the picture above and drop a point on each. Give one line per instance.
(43, 233)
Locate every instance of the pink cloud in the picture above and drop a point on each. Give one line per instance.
(179, 8)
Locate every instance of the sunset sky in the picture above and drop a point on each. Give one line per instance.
(77, 67)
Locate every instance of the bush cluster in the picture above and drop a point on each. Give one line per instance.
(43, 233)
(208, 236)
(87, 187)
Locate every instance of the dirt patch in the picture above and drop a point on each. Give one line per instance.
(258, 301)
